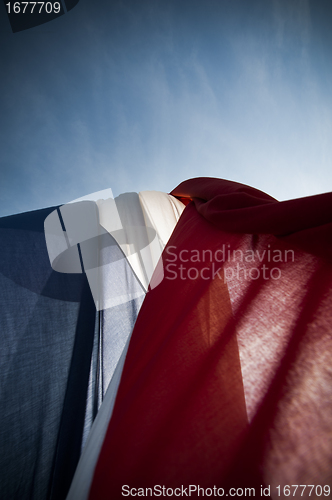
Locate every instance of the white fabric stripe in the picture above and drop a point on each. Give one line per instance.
(161, 212)
(82, 480)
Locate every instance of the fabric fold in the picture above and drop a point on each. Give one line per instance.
(182, 382)
(227, 367)
(150, 209)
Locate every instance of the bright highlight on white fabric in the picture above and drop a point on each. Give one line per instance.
(143, 239)
(77, 237)
(148, 221)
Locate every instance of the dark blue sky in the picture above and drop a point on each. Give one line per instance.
(137, 95)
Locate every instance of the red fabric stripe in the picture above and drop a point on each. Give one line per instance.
(181, 391)
(180, 415)
(236, 208)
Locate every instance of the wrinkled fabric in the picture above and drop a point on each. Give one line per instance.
(47, 320)
(227, 381)
(151, 209)
(57, 358)
(60, 356)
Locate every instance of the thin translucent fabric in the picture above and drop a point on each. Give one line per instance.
(154, 210)
(58, 354)
(227, 380)
(47, 325)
